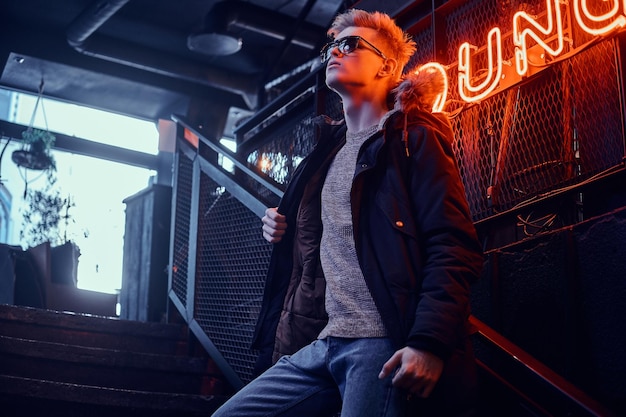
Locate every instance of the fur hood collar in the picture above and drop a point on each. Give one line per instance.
(416, 96)
(418, 90)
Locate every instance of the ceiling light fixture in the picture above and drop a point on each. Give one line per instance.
(213, 44)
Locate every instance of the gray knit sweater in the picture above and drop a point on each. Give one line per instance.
(349, 304)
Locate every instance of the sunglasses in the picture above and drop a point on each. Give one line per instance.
(345, 46)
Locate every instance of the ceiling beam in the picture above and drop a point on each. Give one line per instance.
(49, 46)
(86, 147)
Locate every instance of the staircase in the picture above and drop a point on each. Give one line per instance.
(65, 364)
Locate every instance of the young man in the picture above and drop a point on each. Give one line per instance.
(366, 302)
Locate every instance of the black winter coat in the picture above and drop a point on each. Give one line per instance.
(414, 238)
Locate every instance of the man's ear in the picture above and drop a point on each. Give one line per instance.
(388, 68)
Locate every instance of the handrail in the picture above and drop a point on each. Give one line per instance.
(242, 165)
(555, 380)
(287, 96)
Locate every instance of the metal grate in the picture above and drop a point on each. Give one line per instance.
(232, 261)
(470, 22)
(279, 157)
(424, 52)
(184, 181)
(558, 128)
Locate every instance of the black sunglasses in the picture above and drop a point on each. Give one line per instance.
(346, 45)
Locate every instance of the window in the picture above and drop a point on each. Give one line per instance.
(95, 186)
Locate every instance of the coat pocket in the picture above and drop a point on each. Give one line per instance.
(396, 212)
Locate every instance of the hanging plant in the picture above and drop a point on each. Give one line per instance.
(32, 136)
(46, 209)
(35, 152)
(36, 145)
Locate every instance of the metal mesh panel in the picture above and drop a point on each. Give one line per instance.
(470, 23)
(232, 260)
(184, 181)
(559, 128)
(596, 8)
(424, 52)
(333, 106)
(279, 157)
(596, 108)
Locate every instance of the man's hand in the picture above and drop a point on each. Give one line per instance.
(274, 225)
(417, 371)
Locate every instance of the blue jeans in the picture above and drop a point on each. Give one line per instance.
(319, 380)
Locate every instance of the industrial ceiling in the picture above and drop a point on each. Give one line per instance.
(154, 58)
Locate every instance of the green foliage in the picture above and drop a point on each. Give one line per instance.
(32, 135)
(35, 153)
(41, 220)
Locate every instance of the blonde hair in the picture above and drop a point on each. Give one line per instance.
(396, 39)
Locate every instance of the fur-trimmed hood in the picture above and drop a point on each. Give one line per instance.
(416, 97)
(419, 90)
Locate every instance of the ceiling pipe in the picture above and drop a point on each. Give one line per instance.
(234, 15)
(91, 19)
(80, 37)
(298, 22)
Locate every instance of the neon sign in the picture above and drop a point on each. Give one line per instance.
(607, 22)
(532, 41)
(491, 81)
(537, 32)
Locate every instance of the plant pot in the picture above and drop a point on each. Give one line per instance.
(64, 263)
(35, 157)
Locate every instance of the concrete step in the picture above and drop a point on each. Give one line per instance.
(64, 364)
(106, 367)
(95, 331)
(26, 397)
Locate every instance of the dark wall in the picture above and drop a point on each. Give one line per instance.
(561, 297)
